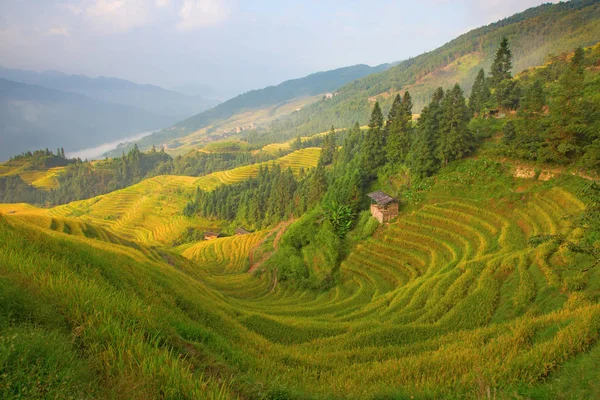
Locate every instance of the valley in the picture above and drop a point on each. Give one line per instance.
(428, 229)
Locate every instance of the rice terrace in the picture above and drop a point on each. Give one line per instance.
(424, 229)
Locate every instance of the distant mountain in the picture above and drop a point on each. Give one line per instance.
(149, 98)
(320, 82)
(533, 34)
(34, 117)
(197, 89)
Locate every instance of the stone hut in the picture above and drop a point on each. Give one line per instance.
(383, 206)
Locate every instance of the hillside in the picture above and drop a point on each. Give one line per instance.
(149, 212)
(34, 117)
(267, 98)
(449, 301)
(533, 34)
(148, 98)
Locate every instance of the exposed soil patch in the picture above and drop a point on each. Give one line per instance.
(280, 229)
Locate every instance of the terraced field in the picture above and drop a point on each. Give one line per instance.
(449, 301)
(150, 212)
(40, 178)
(447, 298)
(304, 158)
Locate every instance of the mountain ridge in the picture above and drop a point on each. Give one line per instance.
(34, 117)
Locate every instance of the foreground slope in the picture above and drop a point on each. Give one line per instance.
(449, 301)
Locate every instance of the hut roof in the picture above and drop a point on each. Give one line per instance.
(217, 234)
(241, 231)
(381, 198)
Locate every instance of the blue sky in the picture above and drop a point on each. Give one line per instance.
(233, 45)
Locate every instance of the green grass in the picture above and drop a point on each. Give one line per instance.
(449, 301)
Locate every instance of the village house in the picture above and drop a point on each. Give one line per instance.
(383, 206)
(241, 231)
(211, 235)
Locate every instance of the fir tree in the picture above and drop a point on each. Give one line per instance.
(423, 159)
(480, 93)
(399, 130)
(455, 140)
(329, 148)
(533, 101)
(509, 133)
(506, 89)
(569, 113)
(374, 144)
(502, 64)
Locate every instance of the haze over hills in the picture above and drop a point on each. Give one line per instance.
(534, 34)
(34, 117)
(311, 85)
(52, 109)
(149, 98)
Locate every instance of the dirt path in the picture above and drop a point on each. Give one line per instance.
(280, 229)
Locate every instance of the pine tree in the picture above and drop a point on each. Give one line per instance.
(394, 110)
(569, 112)
(374, 144)
(329, 148)
(509, 133)
(502, 64)
(534, 100)
(318, 184)
(407, 106)
(297, 144)
(399, 130)
(423, 159)
(480, 93)
(507, 92)
(455, 140)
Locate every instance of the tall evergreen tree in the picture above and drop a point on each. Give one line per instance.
(502, 64)
(509, 133)
(533, 100)
(423, 155)
(329, 148)
(480, 93)
(374, 151)
(394, 110)
(399, 130)
(455, 140)
(569, 113)
(506, 88)
(407, 106)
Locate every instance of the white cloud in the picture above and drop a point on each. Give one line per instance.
(112, 16)
(58, 31)
(197, 14)
(161, 3)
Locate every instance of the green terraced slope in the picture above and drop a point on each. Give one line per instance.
(448, 301)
